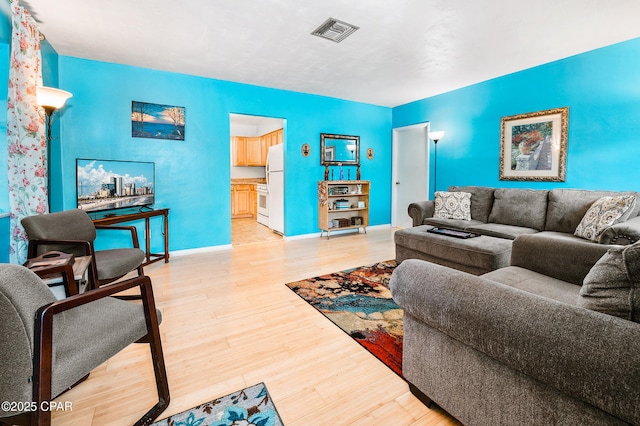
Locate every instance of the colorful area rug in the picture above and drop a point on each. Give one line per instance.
(249, 407)
(359, 302)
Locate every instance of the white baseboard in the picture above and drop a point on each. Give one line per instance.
(223, 247)
(209, 249)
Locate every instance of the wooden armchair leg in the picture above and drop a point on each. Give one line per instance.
(162, 385)
(157, 356)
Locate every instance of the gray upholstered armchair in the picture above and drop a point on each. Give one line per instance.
(73, 231)
(49, 346)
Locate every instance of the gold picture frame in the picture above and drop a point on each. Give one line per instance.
(533, 146)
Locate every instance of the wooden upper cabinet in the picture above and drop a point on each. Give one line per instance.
(239, 150)
(264, 143)
(252, 151)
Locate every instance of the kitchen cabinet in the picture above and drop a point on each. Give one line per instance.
(244, 198)
(239, 150)
(254, 200)
(252, 151)
(240, 200)
(247, 151)
(270, 139)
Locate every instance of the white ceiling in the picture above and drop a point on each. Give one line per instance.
(404, 50)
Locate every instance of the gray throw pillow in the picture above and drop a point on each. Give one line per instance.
(603, 213)
(453, 205)
(612, 286)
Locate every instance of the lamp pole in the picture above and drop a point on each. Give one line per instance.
(48, 111)
(435, 137)
(435, 165)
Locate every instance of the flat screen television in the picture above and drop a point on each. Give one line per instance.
(111, 184)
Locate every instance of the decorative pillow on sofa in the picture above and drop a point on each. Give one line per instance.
(603, 213)
(453, 205)
(612, 286)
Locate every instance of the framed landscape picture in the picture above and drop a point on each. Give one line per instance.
(533, 146)
(157, 121)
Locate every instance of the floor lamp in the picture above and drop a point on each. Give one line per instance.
(435, 137)
(50, 99)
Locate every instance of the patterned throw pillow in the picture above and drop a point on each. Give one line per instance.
(453, 205)
(603, 213)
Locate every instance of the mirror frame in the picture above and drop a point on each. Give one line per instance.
(355, 139)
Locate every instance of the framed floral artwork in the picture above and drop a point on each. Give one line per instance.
(533, 146)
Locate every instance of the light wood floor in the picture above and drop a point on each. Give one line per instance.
(230, 322)
(249, 231)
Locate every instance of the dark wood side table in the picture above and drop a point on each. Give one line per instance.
(147, 215)
(54, 264)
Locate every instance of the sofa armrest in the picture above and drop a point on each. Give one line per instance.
(421, 210)
(624, 233)
(586, 354)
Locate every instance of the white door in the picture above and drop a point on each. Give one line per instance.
(410, 171)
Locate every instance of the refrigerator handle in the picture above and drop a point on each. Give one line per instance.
(266, 168)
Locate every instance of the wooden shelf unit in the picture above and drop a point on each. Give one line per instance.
(332, 191)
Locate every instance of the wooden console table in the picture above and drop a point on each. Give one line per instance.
(151, 257)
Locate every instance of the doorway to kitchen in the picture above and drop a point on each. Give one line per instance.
(256, 203)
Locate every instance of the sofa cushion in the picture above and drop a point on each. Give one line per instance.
(481, 200)
(567, 207)
(453, 205)
(613, 284)
(603, 213)
(499, 230)
(519, 207)
(535, 283)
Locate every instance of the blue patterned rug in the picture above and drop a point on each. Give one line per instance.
(249, 407)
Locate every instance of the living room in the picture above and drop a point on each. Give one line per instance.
(599, 87)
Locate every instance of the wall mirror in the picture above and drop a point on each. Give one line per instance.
(339, 149)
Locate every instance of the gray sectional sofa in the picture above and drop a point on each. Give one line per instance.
(550, 338)
(500, 215)
(520, 345)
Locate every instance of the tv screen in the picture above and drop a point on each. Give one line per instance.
(111, 184)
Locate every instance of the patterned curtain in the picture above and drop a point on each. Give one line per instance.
(25, 130)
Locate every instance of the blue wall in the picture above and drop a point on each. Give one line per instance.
(193, 176)
(601, 89)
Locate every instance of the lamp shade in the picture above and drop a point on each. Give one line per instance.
(51, 97)
(436, 136)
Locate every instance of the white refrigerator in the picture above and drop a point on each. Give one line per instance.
(275, 183)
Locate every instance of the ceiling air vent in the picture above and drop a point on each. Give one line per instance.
(334, 30)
